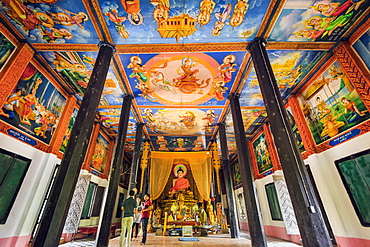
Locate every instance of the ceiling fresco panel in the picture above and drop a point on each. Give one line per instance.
(110, 119)
(191, 21)
(180, 121)
(175, 79)
(51, 21)
(289, 68)
(316, 21)
(76, 68)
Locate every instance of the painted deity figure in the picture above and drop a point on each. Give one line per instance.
(138, 70)
(186, 71)
(351, 108)
(221, 20)
(206, 7)
(132, 7)
(240, 9)
(162, 143)
(118, 23)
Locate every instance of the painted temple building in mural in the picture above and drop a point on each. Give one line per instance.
(170, 99)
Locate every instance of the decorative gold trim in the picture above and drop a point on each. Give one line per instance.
(66, 47)
(299, 45)
(201, 47)
(359, 31)
(275, 14)
(101, 20)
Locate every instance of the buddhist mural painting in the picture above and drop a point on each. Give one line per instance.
(295, 130)
(50, 21)
(100, 154)
(262, 154)
(35, 106)
(331, 105)
(317, 20)
(187, 79)
(68, 131)
(6, 49)
(362, 46)
(179, 120)
(167, 21)
(180, 143)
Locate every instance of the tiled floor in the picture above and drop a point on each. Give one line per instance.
(211, 240)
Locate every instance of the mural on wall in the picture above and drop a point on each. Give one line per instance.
(316, 20)
(262, 154)
(237, 179)
(362, 46)
(241, 202)
(35, 106)
(331, 105)
(289, 68)
(166, 21)
(295, 130)
(186, 79)
(100, 154)
(6, 49)
(180, 121)
(180, 143)
(52, 21)
(67, 135)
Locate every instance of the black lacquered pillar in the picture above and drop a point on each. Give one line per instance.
(256, 230)
(234, 225)
(118, 159)
(136, 156)
(56, 210)
(310, 221)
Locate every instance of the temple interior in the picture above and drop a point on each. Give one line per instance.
(234, 116)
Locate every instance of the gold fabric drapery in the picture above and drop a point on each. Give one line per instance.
(161, 167)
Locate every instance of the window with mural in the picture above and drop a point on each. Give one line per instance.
(273, 202)
(355, 173)
(13, 169)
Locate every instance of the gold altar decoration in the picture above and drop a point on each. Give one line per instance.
(144, 162)
(216, 165)
(161, 167)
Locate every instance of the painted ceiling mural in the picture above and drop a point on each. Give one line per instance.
(317, 21)
(169, 21)
(180, 88)
(182, 79)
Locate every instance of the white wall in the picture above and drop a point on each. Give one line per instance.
(338, 207)
(27, 204)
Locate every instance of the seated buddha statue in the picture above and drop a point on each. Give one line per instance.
(180, 184)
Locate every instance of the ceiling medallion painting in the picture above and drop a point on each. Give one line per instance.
(318, 20)
(166, 21)
(178, 121)
(46, 21)
(182, 79)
